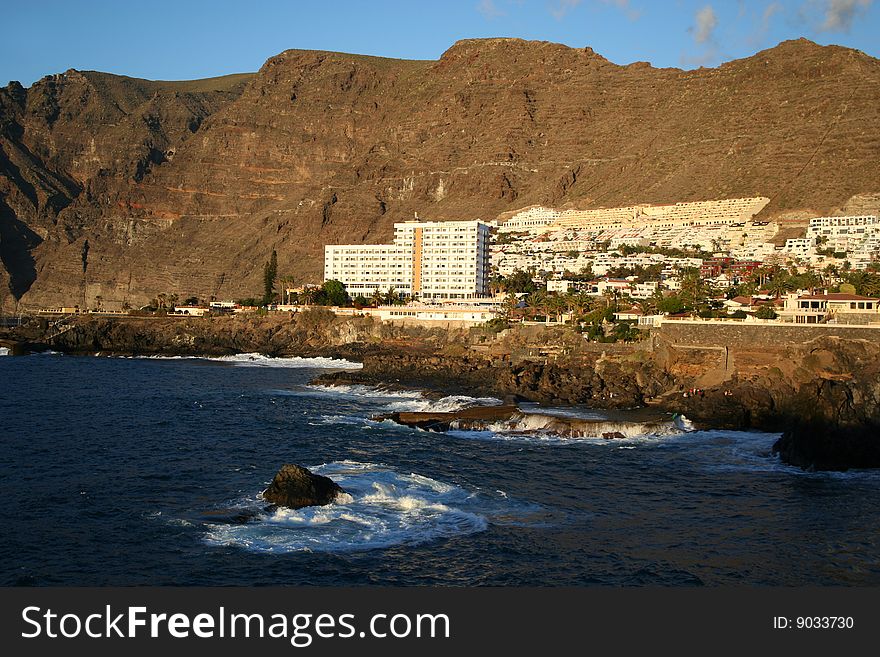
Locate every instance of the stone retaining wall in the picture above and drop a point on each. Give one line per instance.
(744, 335)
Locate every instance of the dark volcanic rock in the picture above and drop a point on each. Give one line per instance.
(475, 417)
(822, 446)
(295, 487)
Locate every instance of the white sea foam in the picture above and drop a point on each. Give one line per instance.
(564, 411)
(259, 360)
(4, 351)
(542, 430)
(398, 400)
(442, 405)
(383, 508)
(319, 362)
(683, 423)
(356, 391)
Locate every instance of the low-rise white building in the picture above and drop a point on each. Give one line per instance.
(834, 307)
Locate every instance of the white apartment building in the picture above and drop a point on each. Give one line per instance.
(532, 220)
(802, 247)
(836, 222)
(844, 233)
(431, 260)
(367, 268)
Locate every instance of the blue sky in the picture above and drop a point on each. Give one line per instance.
(176, 40)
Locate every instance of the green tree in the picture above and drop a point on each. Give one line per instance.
(497, 284)
(508, 308)
(866, 283)
(556, 306)
(671, 304)
(766, 312)
(334, 294)
(693, 287)
(520, 281)
(310, 295)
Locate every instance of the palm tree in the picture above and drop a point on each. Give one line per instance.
(497, 284)
(871, 286)
(309, 295)
(508, 308)
(536, 303)
(376, 298)
(779, 284)
(286, 285)
(392, 298)
(556, 305)
(577, 302)
(693, 287)
(649, 305)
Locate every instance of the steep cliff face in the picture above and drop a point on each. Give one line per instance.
(68, 145)
(325, 147)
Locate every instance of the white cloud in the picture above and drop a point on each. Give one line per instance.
(631, 13)
(489, 9)
(706, 22)
(563, 7)
(764, 26)
(839, 14)
(769, 11)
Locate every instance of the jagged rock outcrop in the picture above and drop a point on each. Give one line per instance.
(825, 446)
(588, 379)
(187, 189)
(473, 418)
(294, 487)
(313, 333)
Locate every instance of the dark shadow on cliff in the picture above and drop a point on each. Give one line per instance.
(16, 243)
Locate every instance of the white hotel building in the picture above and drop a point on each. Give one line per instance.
(430, 260)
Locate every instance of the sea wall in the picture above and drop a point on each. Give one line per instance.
(750, 336)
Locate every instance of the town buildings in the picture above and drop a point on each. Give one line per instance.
(639, 252)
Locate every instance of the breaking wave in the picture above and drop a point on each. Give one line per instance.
(383, 508)
(544, 429)
(318, 362)
(399, 400)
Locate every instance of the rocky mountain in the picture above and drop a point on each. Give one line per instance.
(124, 188)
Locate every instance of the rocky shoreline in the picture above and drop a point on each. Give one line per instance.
(822, 396)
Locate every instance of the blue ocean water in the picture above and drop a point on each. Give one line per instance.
(119, 471)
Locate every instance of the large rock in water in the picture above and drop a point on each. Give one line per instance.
(295, 487)
(825, 446)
